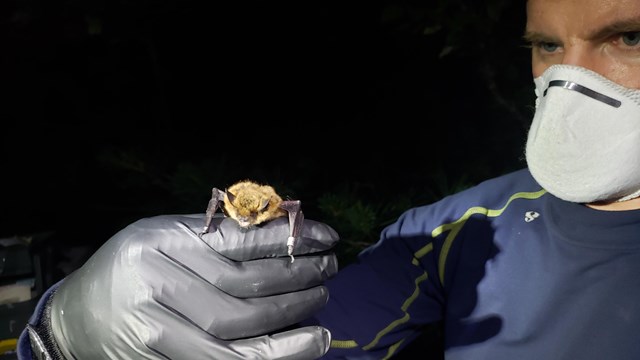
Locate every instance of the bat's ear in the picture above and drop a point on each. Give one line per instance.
(230, 196)
(264, 204)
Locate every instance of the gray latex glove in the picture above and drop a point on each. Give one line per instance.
(158, 291)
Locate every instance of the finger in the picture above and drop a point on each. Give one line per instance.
(184, 249)
(269, 239)
(172, 337)
(183, 340)
(237, 243)
(228, 317)
(305, 343)
(175, 289)
(267, 314)
(265, 277)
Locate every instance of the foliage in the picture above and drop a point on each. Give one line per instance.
(484, 33)
(131, 115)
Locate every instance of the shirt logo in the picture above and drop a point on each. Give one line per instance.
(529, 216)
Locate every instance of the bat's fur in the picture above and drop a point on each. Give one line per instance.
(251, 203)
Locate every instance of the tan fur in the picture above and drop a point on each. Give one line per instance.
(249, 200)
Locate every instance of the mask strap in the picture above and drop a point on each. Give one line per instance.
(569, 85)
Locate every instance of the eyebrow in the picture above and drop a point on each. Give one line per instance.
(535, 37)
(617, 27)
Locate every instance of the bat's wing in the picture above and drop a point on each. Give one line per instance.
(217, 198)
(293, 207)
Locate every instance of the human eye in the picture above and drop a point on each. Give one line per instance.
(543, 46)
(546, 46)
(631, 38)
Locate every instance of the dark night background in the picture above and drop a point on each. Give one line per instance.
(116, 110)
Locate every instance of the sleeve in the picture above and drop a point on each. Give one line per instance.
(35, 342)
(393, 292)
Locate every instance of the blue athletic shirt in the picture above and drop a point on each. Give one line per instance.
(511, 272)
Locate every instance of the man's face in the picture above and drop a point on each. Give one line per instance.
(600, 35)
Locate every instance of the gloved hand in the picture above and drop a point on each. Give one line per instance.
(156, 290)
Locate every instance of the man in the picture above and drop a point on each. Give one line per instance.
(541, 263)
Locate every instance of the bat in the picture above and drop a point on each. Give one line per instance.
(250, 203)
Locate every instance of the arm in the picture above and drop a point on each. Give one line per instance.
(384, 300)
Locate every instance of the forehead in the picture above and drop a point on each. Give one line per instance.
(575, 17)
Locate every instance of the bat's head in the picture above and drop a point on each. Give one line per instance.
(252, 204)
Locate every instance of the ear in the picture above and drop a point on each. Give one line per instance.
(264, 204)
(230, 196)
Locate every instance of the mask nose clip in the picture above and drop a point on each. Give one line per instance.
(569, 85)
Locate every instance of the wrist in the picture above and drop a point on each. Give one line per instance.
(43, 344)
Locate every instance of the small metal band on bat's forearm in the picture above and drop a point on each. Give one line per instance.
(585, 91)
(291, 240)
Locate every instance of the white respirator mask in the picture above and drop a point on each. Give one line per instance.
(584, 142)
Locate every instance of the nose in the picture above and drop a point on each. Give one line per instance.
(581, 55)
